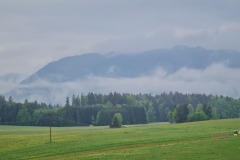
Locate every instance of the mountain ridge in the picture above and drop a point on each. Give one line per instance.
(132, 65)
(182, 69)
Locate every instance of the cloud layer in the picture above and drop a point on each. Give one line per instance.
(216, 79)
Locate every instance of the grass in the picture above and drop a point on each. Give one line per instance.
(198, 140)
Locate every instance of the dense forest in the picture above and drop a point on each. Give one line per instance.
(99, 109)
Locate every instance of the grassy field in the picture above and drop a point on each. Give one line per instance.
(198, 140)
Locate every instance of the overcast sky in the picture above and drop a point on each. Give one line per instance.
(36, 32)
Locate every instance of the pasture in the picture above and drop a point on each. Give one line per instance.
(196, 140)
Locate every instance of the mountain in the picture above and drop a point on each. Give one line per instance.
(182, 69)
(132, 65)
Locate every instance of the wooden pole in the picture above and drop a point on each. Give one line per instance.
(50, 134)
(50, 128)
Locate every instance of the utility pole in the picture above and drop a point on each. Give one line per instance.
(50, 128)
(50, 133)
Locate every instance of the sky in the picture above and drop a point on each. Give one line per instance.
(36, 32)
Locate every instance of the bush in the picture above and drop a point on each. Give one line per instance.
(116, 121)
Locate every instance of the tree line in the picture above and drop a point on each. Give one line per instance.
(99, 109)
(188, 113)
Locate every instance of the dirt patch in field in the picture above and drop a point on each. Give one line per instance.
(222, 136)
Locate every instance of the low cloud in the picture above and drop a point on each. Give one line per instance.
(216, 79)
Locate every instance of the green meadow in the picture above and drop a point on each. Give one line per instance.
(196, 140)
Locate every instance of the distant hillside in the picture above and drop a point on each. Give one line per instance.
(132, 65)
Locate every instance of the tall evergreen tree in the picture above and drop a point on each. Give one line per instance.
(23, 116)
(207, 109)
